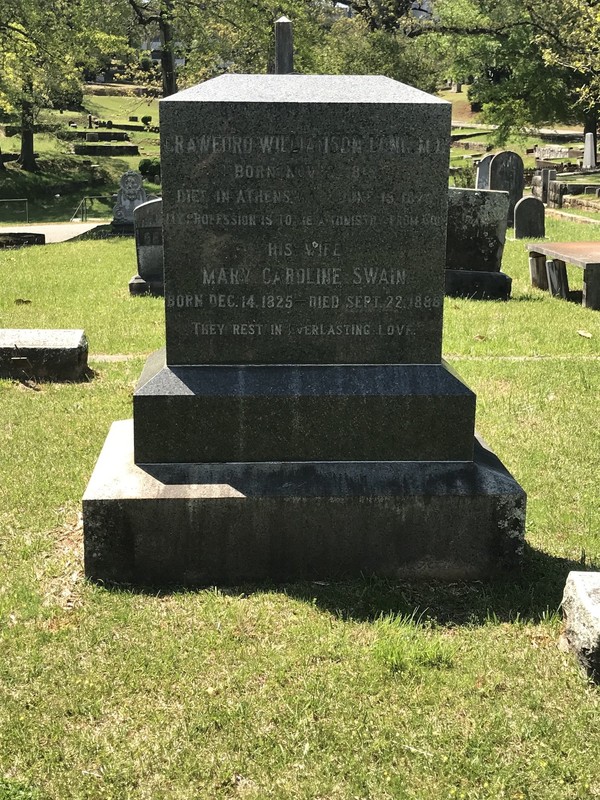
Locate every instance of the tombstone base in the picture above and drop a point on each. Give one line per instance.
(301, 412)
(477, 285)
(139, 286)
(122, 228)
(202, 524)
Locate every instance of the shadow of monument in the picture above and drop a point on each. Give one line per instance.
(528, 595)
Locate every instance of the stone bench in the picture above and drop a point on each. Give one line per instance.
(548, 268)
(39, 354)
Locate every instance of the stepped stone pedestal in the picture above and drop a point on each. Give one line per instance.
(300, 423)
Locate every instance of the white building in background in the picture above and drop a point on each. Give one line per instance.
(155, 47)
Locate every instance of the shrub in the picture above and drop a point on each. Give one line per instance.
(149, 167)
(147, 120)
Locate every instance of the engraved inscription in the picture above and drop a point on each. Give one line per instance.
(295, 236)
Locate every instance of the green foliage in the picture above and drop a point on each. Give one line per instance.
(16, 790)
(351, 47)
(531, 61)
(149, 167)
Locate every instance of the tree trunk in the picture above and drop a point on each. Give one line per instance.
(27, 159)
(167, 57)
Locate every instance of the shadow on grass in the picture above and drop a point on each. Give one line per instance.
(529, 594)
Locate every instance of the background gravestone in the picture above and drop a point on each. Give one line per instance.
(131, 194)
(589, 152)
(147, 219)
(301, 422)
(482, 179)
(475, 244)
(530, 219)
(507, 175)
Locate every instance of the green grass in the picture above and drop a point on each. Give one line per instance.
(582, 212)
(365, 689)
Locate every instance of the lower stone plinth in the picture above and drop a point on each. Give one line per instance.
(301, 412)
(477, 285)
(202, 524)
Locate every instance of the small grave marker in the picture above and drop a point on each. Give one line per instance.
(530, 219)
(507, 175)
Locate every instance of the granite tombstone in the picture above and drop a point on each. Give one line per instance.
(507, 175)
(475, 244)
(43, 354)
(301, 423)
(482, 178)
(530, 219)
(147, 219)
(589, 152)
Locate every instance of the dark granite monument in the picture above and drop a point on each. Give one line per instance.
(301, 423)
(530, 219)
(147, 219)
(507, 175)
(475, 244)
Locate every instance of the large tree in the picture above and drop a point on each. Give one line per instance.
(43, 49)
(534, 61)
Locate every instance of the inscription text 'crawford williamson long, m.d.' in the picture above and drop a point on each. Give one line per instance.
(307, 247)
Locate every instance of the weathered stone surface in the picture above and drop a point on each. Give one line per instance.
(530, 219)
(149, 249)
(43, 354)
(302, 413)
(482, 178)
(581, 611)
(547, 176)
(300, 212)
(478, 285)
(130, 195)
(476, 229)
(200, 524)
(507, 175)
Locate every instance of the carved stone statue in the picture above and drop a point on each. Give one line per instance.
(130, 196)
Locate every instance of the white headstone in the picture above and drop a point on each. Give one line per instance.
(589, 152)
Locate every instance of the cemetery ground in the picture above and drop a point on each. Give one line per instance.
(366, 689)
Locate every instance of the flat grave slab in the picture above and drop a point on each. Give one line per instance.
(43, 354)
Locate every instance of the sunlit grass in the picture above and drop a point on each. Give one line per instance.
(366, 689)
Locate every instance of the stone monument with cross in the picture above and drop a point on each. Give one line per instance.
(301, 423)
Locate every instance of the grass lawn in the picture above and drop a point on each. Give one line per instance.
(367, 689)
